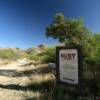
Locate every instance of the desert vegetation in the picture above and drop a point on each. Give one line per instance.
(45, 55)
(30, 77)
(37, 81)
(73, 32)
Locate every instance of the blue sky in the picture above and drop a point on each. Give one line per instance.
(23, 22)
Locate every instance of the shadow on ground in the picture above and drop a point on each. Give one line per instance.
(34, 87)
(15, 73)
(43, 87)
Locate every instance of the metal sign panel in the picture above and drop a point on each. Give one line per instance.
(68, 63)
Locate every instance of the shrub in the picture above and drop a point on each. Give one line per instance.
(49, 55)
(8, 54)
(35, 57)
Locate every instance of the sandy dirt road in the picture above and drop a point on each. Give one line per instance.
(20, 81)
(14, 81)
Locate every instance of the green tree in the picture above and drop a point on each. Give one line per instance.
(68, 30)
(71, 32)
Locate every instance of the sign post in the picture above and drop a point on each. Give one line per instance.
(69, 65)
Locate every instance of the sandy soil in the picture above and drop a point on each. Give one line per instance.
(20, 81)
(13, 82)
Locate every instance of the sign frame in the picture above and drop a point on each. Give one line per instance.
(80, 65)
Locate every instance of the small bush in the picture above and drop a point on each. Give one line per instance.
(49, 55)
(35, 57)
(8, 54)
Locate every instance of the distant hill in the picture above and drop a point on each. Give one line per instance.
(12, 53)
(16, 53)
(36, 50)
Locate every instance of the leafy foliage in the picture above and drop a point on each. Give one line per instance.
(67, 30)
(49, 54)
(35, 57)
(72, 32)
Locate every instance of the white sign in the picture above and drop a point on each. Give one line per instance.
(68, 66)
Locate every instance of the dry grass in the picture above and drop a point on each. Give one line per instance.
(38, 79)
(3, 62)
(6, 94)
(34, 84)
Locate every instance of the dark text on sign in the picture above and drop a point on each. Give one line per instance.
(68, 55)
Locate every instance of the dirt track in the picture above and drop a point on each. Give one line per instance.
(23, 82)
(13, 82)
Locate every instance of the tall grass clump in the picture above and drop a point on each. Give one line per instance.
(8, 54)
(34, 57)
(49, 54)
